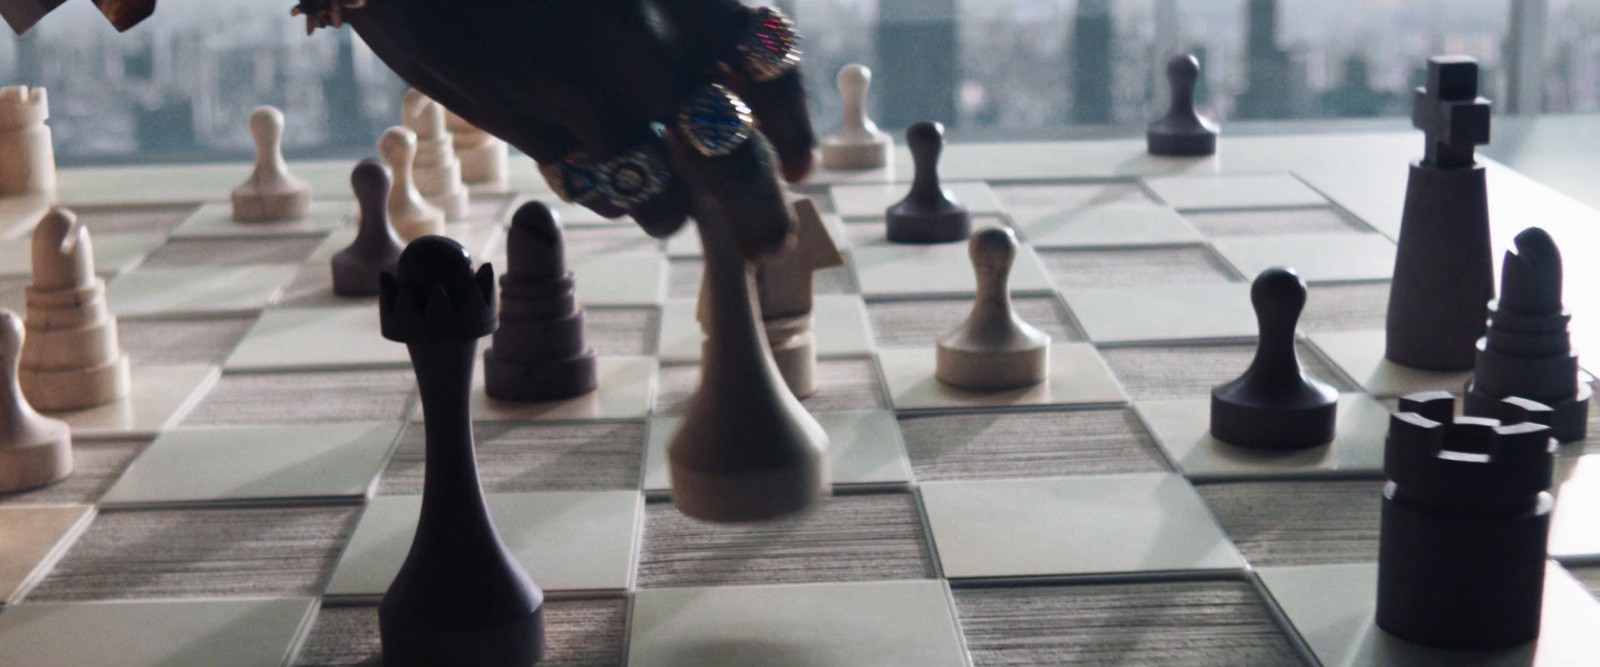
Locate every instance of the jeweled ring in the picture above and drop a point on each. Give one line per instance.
(624, 181)
(715, 121)
(771, 47)
(573, 178)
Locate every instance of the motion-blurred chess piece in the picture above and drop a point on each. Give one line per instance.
(376, 248)
(27, 157)
(435, 168)
(412, 216)
(35, 450)
(539, 352)
(1183, 131)
(72, 358)
(993, 349)
(1275, 404)
(929, 213)
(858, 143)
(271, 193)
(484, 157)
(785, 286)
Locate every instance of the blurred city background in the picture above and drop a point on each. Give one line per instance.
(180, 86)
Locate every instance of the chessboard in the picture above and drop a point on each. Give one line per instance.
(251, 500)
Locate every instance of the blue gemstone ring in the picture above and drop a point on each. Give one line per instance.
(624, 181)
(715, 121)
(771, 46)
(574, 179)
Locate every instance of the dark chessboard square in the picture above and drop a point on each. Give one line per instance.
(1128, 267)
(622, 331)
(309, 397)
(1275, 221)
(843, 385)
(1299, 522)
(1028, 444)
(515, 456)
(232, 252)
(1190, 371)
(1346, 307)
(1590, 576)
(95, 466)
(578, 633)
(920, 323)
(196, 341)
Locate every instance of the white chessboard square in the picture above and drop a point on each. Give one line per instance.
(238, 632)
(839, 322)
(1333, 607)
(198, 291)
(167, 184)
(1116, 225)
(570, 542)
(854, 202)
(944, 269)
(1205, 193)
(1359, 355)
(1165, 313)
(114, 253)
(341, 337)
(627, 386)
(320, 462)
(1182, 429)
(1075, 527)
(1573, 538)
(619, 280)
(865, 624)
(1318, 258)
(1078, 377)
(213, 221)
(865, 449)
(161, 397)
(36, 537)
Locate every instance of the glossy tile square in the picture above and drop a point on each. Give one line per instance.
(1104, 226)
(198, 291)
(873, 201)
(161, 397)
(1193, 193)
(1078, 377)
(240, 632)
(1183, 430)
(839, 323)
(936, 270)
(627, 386)
(865, 449)
(1318, 258)
(36, 536)
(619, 280)
(1359, 354)
(343, 337)
(213, 221)
(1164, 313)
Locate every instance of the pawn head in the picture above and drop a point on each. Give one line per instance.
(398, 144)
(1184, 69)
(1278, 288)
(925, 133)
(266, 123)
(993, 247)
(371, 176)
(854, 77)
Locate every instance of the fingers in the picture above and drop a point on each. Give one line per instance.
(780, 108)
(742, 187)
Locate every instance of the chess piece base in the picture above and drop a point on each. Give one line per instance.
(516, 643)
(45, 459)
(76, 388)
(1184, 144)
(1570, 416)
(909, 225)
(990, 370)
(848, 156)
(252, 205)
(545, 380)
(1275, 422)
(742, 496)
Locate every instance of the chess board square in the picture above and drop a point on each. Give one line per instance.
(161, 397)
(1332, 607)
(1573, 538)
(1164, 313)
(570, 542)
(865, 449)
(1359, 355)
(1078, 378)
(341, 337)
(240, 632)
(36, 537)
(935, 270)
(627, 386)
(1195, 193)
(875, 624)
(1183, 430)
(1058, 196)
(219, 291)
(620, 280)
(1063, 527)
(873, 201)
(602, 240)
(213, 221)
(1104, 226)
(113, 253)
(299, 461)
(839, 322)
(1318, 258)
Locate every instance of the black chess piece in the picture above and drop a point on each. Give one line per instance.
(376, 248)
(929, 213)
(1527, 351)
(1443, 266)
(460, 599)
(1183, 132)
(1466, 516)
(1275, 404)
(539, 352)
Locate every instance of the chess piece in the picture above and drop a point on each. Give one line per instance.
(1275, 404)
(1183, 132)
(72, 359)
(993, 349)
(858, 143)
(484, 157)
(376, 248)
(747, 449)
(27, 158)
(1443, 266)
(929, 213)
(1527, 351)
(35, 450)
(539, 352)
(435, 168)
(785, 288)
(412, 216)
(1466, 516)
(271, 193)
(461, 598)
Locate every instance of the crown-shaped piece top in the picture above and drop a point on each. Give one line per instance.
(23, 106)
(436, 296)
(1449, 111)
(1433, 454)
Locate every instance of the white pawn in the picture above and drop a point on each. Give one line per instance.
(271, 193)
(435, 168)
(484, 157)
(35, 450)
(411, 215)
(27, 158)
(994, 349)
(858, 143)
(72, 359)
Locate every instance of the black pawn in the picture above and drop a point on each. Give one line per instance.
(539, 353)
(1275, 405)
(1527, 352)
(460, 599)
(1183, 131)
(376, 248)
(929, 213)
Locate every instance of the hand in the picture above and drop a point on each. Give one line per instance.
(583, 82)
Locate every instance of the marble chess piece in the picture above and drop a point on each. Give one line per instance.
(485, 159)
(785, 286)
(1275, 404)
(35, 450)
(858, 143)
(435, 168)
(271, 193)
(929, 213)
(27, 157)
(539, 352)
(993, 349)
(1183, 132)
(376, 248)
(412, 216)
(72, 358)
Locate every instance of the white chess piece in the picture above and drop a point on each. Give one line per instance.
(72, 359)
(993, 349)
(435, 168)
(27, 158)
(411, 215)
(858, 143)
(271, 193)
(484, 158)
(35, 450)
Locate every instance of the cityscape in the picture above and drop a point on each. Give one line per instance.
(179, 86)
